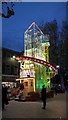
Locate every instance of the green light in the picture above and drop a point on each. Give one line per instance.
(41, 77)
(47, 43)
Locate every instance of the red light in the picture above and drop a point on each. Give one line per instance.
(49, 64)
(37, 60)
(30, 59)
(20, 57)
(23, 58)
(41, 61)
(44, 63)
(27, 58)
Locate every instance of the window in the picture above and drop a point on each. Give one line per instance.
(46, 57)
(48, 80)
(8, 55)
(15, 70)
(12, 70)
(7, 69)
(22, 81)
(3, 68)
(18, 83)
(31, 83)
(26, 83)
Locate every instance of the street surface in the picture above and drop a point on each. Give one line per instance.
(55, 108)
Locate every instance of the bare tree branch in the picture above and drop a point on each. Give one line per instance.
(10, 12)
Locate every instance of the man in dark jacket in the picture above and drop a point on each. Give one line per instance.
(4, 97)
(43, 96)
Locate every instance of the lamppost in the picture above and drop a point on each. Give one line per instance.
(15, 67)
(61, 76)
(57, 69)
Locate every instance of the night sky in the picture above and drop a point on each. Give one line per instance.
(25, 13)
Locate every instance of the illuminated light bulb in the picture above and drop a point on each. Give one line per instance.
(44, 63)
(13, 56)
(53, 68)
(50, 68)
(37, 60)
(27, 58)
(48, 81)
(30, 30)
(49, 64)
(19, 60)
(57, 66)
(41, 61)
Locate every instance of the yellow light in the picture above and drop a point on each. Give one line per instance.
(34, 84)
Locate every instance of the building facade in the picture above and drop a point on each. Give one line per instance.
(10, 67)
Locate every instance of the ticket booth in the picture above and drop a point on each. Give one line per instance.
(29, 84)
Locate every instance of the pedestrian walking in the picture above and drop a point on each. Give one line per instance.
(43, 96)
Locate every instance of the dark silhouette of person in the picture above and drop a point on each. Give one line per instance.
(3, 102)
(21, 86)
(21, 91)
(43, 96)
(6, 93)
(56, 90)
(4, 97)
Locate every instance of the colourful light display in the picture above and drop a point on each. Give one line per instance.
(36, 57)
(36, 60)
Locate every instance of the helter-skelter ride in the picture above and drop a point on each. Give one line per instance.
(35, 69)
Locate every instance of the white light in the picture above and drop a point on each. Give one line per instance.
(30, 30)
(19, 60)
(50, 68)
(13, 56)
(57, 66)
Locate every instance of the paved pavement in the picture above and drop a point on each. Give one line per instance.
(55, 108)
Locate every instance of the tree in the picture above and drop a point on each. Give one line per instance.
(51, 28)
(58, 43)
(8, 8)
(63, 48)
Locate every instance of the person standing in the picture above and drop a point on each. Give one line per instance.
(43, 96)
(4, 97)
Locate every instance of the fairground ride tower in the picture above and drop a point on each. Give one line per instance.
(36, 45)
